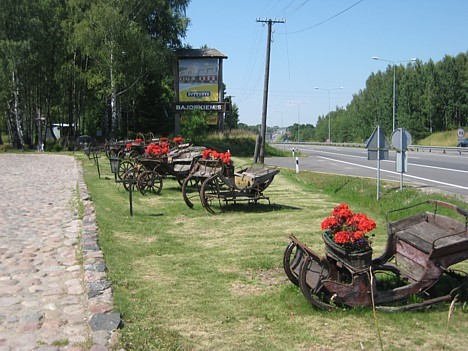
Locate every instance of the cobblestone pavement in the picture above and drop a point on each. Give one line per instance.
(53, 289)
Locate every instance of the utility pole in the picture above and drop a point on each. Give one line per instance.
(265, 89)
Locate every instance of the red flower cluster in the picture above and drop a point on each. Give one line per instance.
(348, 229)
(157, 149)
(225, 157)
(178, 140)
(136, 141)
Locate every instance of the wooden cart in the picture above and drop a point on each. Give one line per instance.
(419, 251)
(149, 172)
(247, 185)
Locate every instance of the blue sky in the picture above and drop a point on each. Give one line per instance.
(323, 43)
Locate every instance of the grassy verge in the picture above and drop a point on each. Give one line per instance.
(447, 138)
(240, 144)
(187, 280)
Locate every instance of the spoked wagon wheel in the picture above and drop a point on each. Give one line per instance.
(123, 168)
(129, 178)
(213, 195)
(292, 260)
(191, 189)
(311, 273)
(149, 181)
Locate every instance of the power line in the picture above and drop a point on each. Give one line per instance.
(328, 19)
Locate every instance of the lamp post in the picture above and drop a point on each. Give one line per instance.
(394, 82)
(298, 103)
(329, 110)
(115, 167)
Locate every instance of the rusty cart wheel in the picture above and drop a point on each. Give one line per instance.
(123, 168)
(191, 190)
(213, 195)
(313, 270)
(292, 260)
(149, 181)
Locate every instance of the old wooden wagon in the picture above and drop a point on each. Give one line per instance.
(419, 253)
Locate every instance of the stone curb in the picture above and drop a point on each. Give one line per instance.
(103, 321)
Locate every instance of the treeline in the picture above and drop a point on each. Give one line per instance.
(430, 97)
(94, 65)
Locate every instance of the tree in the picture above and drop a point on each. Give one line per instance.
(193, 125)
(429, 97)
(232, 116)
(129, 46)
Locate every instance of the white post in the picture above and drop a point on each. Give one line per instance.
(378, 163)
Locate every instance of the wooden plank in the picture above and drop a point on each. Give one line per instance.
(442, 233)
(422, 235)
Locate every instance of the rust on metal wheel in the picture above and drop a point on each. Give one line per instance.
(149, 181)
(292, 259)
(311, 273)
(211, 195)
(123, 168)
(190, 190)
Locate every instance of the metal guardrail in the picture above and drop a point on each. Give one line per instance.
(443, 149)
(422, 148)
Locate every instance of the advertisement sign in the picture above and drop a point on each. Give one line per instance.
(198, 80)
(200, 106)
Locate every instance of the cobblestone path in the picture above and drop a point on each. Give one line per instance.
(53, 292)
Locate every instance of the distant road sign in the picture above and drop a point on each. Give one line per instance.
(460, 133)
(401, 139)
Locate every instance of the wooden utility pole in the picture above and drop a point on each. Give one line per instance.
(261, 157)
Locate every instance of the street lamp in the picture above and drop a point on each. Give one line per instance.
(298, 103)
(281, 112)
(329, 110)
(394, 82)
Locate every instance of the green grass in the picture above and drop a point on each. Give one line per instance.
(239, 143)
(448, 138)
(187, 280)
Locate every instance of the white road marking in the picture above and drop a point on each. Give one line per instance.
(396, 173)
(409, 164)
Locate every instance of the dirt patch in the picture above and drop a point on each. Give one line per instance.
(258, 281)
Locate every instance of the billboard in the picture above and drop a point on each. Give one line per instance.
(198, 80)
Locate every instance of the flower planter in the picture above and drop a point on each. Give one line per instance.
(358, 260)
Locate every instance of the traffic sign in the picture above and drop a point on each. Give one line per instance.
(401, 139)
(377, 140)
(460, 133)
(377, 149)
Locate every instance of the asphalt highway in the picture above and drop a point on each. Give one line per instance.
(430, 171)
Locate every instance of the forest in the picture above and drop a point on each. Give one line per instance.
(429, 97)
(100, 67)
(105, 68)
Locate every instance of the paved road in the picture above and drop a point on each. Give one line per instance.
(50, 297)
(429, 171)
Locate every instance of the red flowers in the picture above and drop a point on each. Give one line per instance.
(348, 229)
(225, 157)
(178, 140)
(157, 149)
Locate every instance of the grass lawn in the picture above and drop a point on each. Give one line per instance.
(184, 279)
